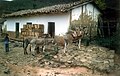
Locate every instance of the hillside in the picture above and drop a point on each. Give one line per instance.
(16, 5)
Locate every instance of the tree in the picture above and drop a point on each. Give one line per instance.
(101, 4)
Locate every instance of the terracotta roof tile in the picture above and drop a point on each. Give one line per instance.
(60, 8)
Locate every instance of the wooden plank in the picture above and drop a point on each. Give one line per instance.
(34, 30)
(16, 39)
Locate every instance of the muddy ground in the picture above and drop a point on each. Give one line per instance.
(15, 63)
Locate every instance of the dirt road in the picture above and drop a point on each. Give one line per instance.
(15, 63)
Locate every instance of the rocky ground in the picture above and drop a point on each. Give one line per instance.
(87, 61)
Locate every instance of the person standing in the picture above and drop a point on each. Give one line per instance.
(6, 42)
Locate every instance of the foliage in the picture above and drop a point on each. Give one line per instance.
(84, 21)
(101, 4)
(116, 40)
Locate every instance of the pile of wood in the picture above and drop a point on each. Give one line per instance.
(32, 30)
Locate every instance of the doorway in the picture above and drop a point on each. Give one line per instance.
(51, 29)
(17, 30)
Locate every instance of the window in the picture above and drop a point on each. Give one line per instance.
(29, 23)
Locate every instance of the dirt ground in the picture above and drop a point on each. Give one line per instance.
(15, 63)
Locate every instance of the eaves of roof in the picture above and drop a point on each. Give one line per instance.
(60, 8)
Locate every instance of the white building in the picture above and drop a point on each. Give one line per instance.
(55, 18)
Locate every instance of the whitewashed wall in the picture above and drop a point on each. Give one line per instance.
(90, 9)
(61, 22)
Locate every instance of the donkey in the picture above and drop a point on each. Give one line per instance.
(70, 37)
(34, 44)
(29, 44)
(37, 43)
(26, 42)
(64, 40)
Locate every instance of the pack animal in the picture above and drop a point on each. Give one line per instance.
(34, 44)
(26, 42)
(70, 37)
(37, 43)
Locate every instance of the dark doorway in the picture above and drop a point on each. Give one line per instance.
(51, 28)
(17, 30)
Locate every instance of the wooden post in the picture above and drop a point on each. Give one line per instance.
(82, 16)
(0, 30)
(70, 20)
(90, 33)
(109, 33)
(108, 28)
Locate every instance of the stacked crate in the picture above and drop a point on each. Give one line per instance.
(32, 30)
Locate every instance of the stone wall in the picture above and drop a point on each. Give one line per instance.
(93, 57)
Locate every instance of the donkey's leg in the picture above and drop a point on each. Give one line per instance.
(79, 43)
(65, 45)
(25, 50)
(33, 49)
(28, 50)
(43, 48)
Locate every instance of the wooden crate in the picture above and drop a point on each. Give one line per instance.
(24, 26)
(33, 30)
(41, 26)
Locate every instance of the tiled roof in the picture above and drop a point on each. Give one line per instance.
(60, 8)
